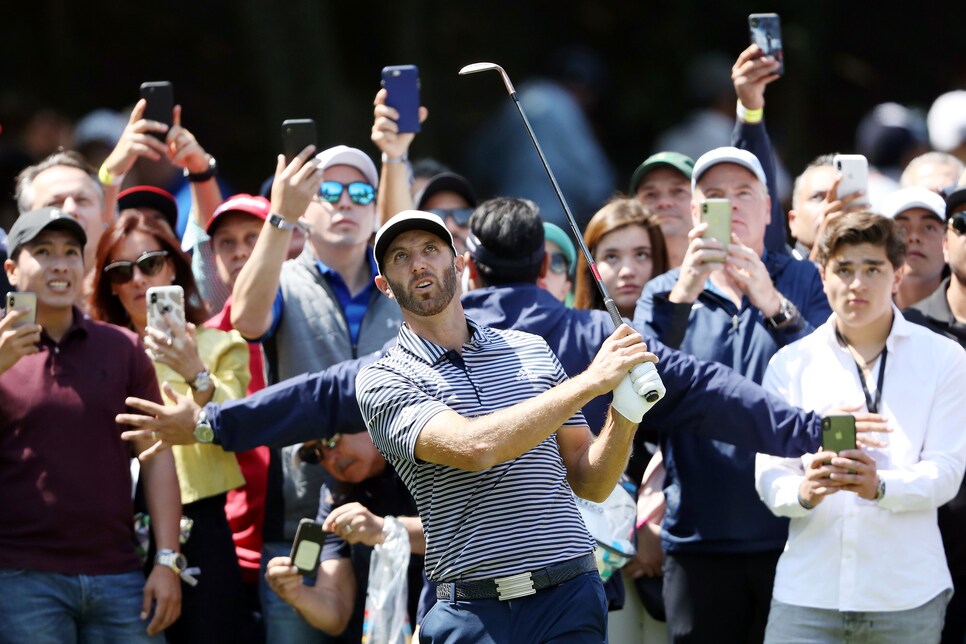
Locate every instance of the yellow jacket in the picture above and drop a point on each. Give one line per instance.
(207, 470)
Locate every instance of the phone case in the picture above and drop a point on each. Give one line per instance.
(854, 169)
(160, 98)
(402, 84)
(165, 299)
(838, 433)
(307, 547)
(297, 134)
(25, 300)
(717, 214)
(766, 32)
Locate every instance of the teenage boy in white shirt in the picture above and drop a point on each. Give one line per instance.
(864, 559)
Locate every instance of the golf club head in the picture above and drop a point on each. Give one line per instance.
(475, 68)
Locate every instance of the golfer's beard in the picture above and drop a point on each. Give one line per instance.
(432, 306)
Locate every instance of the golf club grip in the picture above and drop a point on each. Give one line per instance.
(643, 369)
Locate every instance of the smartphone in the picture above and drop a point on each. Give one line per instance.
(717, 214)
(160, 98)
(307, 547)
(838, 433)
(766, 32)
(162, 300)
(854, 169)
(402, 87)
(25, 300)
(297, 134)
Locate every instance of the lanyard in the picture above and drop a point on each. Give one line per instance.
(872, 405)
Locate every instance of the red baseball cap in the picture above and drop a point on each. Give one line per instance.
(245, 203)
(150, 197)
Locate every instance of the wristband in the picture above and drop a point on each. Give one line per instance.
(107, 178)
(210, 173)
(750, 116)
(403, 159)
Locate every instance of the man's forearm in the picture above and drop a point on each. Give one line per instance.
(595, 477)
(163, 499)
(205, 198)
(394, 190)
(257, 283)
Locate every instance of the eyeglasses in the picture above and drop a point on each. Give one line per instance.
(360, 192)
(958, 222)
(558, 263)
(460, 215)
(311, 453)
(149, 263)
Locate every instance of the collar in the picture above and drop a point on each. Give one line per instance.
(936, 306)
(901, 328)
(80, 326)
(327, 271)
(430, 352)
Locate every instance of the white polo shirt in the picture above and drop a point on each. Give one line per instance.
(849, 554)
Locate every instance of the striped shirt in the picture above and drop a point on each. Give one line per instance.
(517, 516)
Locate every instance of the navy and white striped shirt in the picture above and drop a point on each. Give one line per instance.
(517, 516)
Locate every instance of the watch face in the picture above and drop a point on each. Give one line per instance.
(204, 433)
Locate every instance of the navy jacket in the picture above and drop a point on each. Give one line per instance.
(702, 397)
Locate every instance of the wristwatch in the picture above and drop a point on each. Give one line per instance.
(202, 381)
(880, 490)
(787, 314)
(278, 221)
(178, 563)
(203, 431)
(210, 173)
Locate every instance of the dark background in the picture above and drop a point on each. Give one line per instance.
(239, 68)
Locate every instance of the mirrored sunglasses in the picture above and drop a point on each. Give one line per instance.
(558, 264)
(360, 192)
(460, 215)
(312, 453)
(149, 263)
(958, 222)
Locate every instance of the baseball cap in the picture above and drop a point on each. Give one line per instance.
(150, 197)
(674, 160)
(727, 154)
(248, 204)
(410, 220)
(344, 155)
(556, 234)
(947, 121)
(913, 197)
(446, 182)
(955, 202)
(30, 224)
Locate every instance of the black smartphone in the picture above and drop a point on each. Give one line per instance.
(402, 87)
(766, 32)
(838, 433)
(160, 98)
(307, 547)
(297, 134)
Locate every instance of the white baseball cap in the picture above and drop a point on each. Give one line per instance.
(727, 154)
(410, 220)
(914, 197)
(344, 155)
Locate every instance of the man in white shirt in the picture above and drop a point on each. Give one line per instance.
(864, 559)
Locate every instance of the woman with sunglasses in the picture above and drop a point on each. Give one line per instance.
(628, 247)
(135, 253)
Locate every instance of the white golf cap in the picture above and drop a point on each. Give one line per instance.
(947, 121)
(410, 220)
(344, 155)
(915, 197)
(727, 154)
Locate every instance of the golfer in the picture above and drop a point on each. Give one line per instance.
(485, 430)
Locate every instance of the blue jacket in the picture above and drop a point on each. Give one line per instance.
(702, 397)
(712, 505)
(754, 138)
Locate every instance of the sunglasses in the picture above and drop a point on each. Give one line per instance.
(460, 215)
(558, 263)
(958, 223)
(149, 263)
(360, 192)
(312, 454)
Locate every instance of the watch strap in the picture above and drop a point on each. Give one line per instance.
(210, 173)
(202, 381)
(280, 222)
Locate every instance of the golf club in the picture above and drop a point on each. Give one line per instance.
(652, 395)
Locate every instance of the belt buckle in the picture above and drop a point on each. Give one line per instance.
(514, 586)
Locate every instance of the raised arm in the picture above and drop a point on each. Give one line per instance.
(394, 192)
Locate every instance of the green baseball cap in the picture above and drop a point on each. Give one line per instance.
(674, 160)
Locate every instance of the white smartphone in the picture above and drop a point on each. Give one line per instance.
(25, 300)
(854, 169)
(163, 300)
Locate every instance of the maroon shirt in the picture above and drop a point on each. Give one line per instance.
(65, 478)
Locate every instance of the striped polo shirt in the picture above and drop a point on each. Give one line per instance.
(517, 516)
